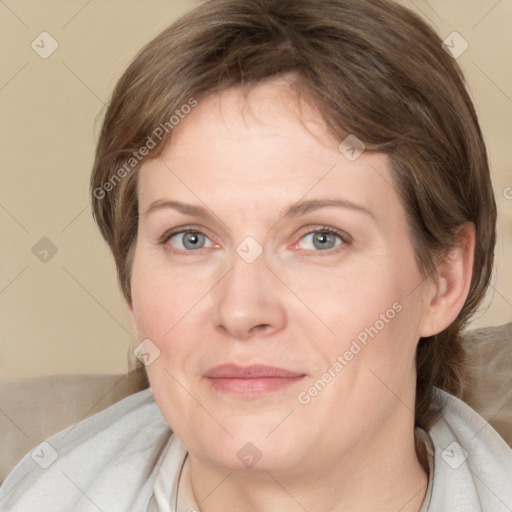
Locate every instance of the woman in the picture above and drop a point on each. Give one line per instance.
(297, 197)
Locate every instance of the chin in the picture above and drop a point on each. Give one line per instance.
(250, 457)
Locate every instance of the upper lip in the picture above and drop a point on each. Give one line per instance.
(234, 371)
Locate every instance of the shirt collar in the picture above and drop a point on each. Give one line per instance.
(168, 479)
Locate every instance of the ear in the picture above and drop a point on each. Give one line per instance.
(451, 284)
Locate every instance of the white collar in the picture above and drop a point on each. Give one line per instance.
(168, 479)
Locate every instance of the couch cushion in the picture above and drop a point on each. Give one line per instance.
(34, 408)
(488, 377)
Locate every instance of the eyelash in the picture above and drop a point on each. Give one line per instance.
(345, 239)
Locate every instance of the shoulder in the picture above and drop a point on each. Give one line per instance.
(473, 464)
(118, 447)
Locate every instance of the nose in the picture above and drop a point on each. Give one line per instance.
(249, 300)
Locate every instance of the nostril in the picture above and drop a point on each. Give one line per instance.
(260, 327)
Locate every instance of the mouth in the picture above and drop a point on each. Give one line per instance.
(250, 380)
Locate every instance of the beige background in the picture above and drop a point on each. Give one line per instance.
(66, 314)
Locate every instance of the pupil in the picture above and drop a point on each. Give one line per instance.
(191, 240)
(323, 239)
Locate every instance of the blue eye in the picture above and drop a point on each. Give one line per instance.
(189, 240)
(321, 240)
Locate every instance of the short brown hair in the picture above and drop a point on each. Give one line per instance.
(373, 69)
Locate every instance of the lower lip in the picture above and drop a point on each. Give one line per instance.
(253, 386)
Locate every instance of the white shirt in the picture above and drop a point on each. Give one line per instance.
(126, 459)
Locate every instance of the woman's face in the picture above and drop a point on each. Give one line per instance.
(261, 243)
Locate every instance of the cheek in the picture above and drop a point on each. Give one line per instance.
(170, 308)
(160, 299)
(349, 299)
(370, 312)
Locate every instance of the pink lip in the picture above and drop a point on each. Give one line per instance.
(250, 380)
(233, 371)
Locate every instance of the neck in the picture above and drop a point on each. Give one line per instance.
(379, 476)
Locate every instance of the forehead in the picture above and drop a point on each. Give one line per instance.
(260, 150)
(266, 114)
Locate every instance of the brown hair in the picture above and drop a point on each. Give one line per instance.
(373, 69)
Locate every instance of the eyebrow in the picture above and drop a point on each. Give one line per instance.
(296, 210)
(303, 207)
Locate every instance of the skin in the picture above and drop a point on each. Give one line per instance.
(297, 306)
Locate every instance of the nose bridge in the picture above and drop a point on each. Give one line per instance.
(247, 299)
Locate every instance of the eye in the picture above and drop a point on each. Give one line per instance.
(321, 240)
(189, 240)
